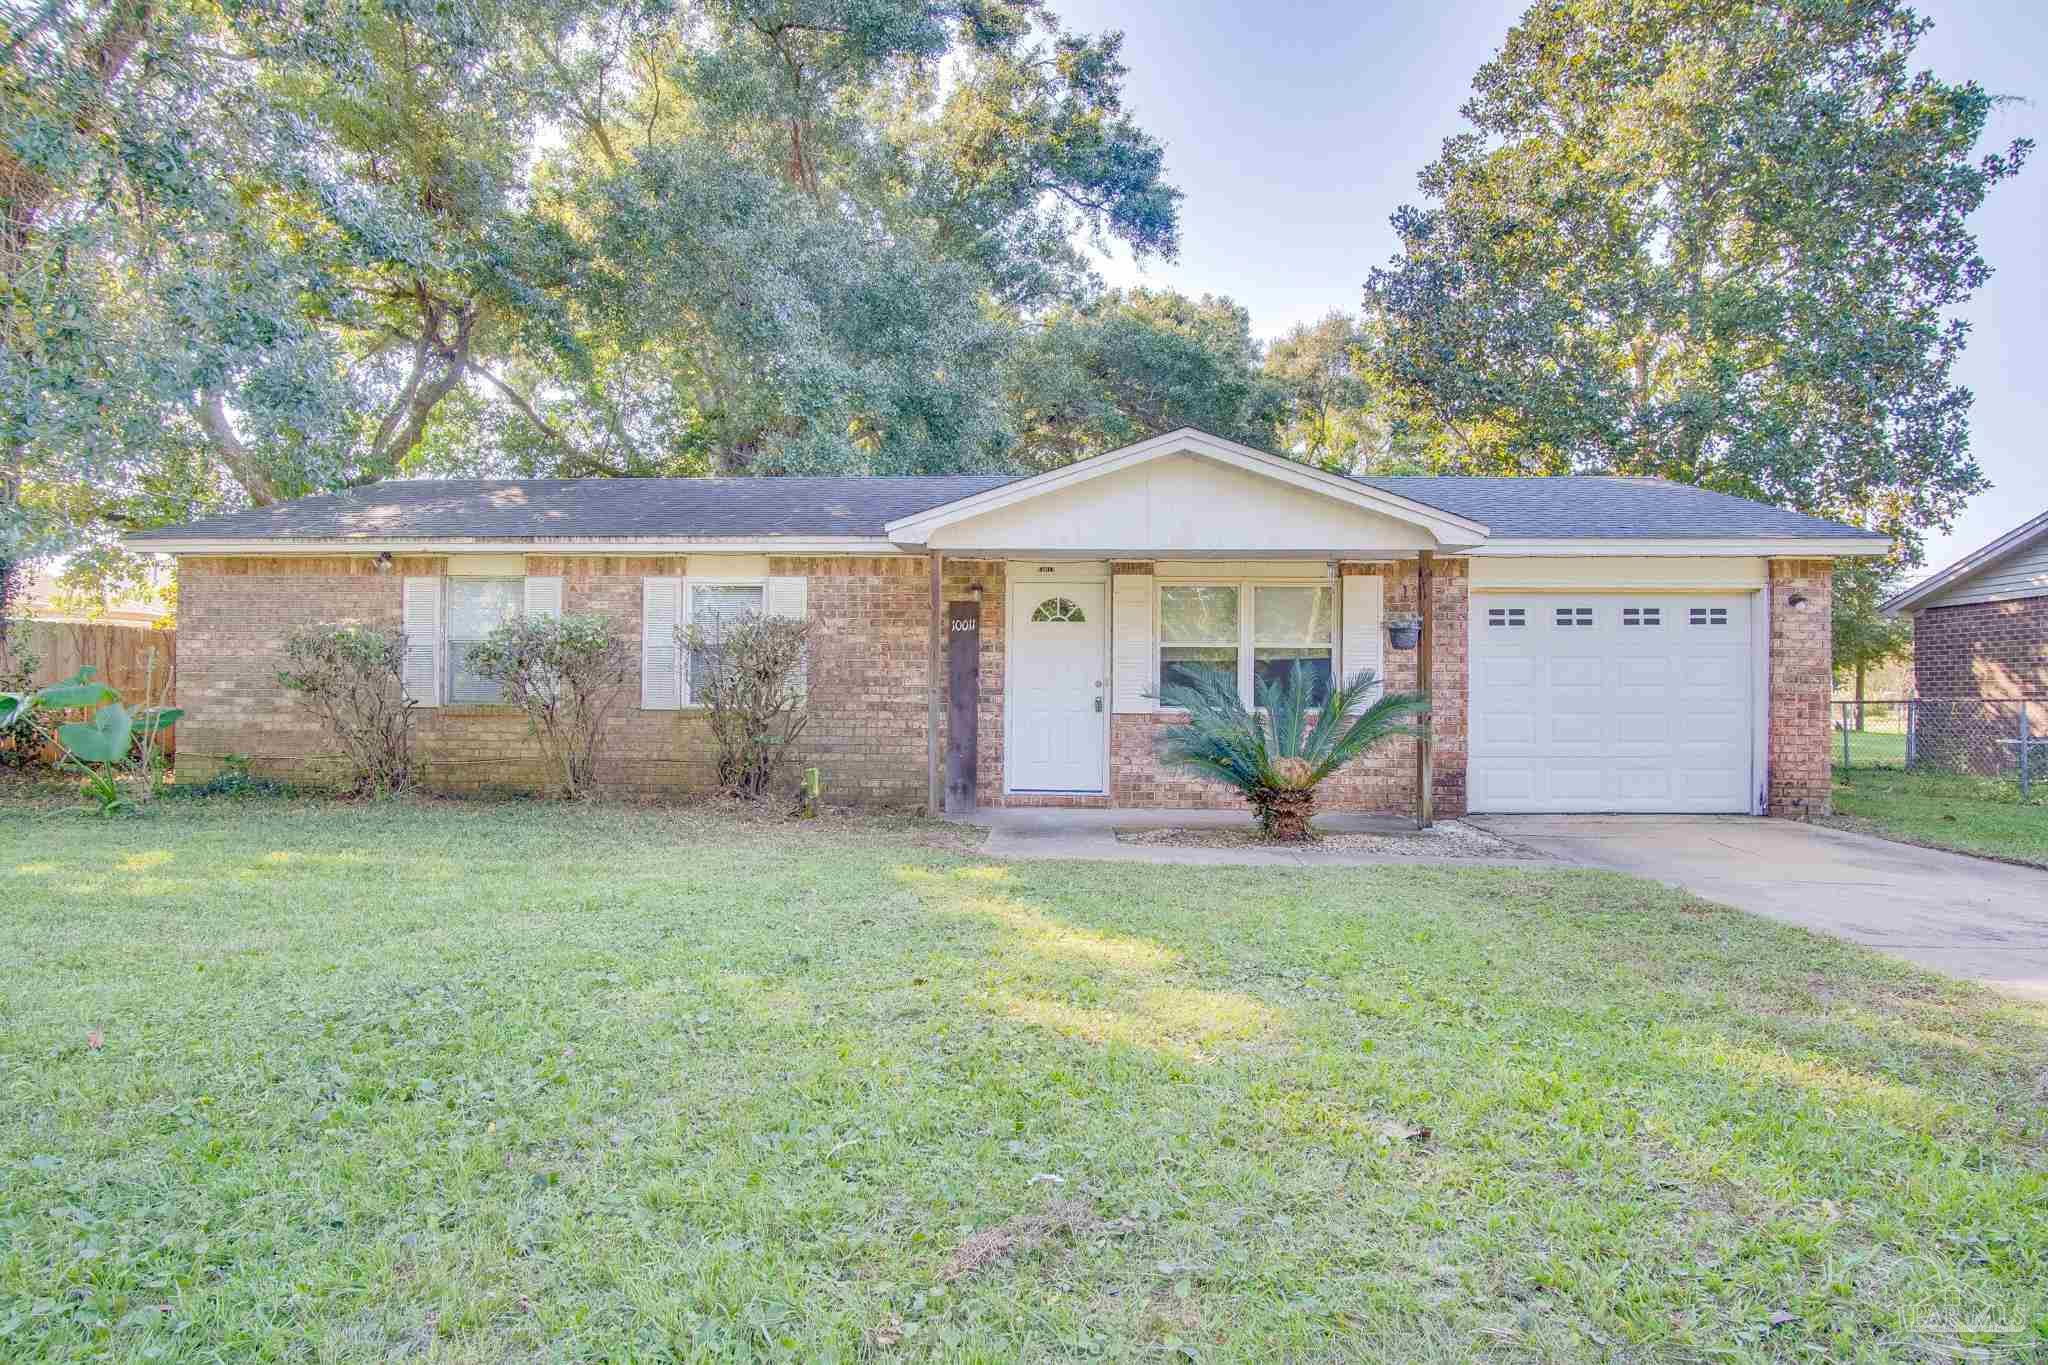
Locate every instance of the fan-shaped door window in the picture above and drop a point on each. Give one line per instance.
(1058, 609)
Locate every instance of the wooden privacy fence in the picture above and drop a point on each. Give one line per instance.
(120, 653)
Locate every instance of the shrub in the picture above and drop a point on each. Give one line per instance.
(353, 677)
(748, 674)
(1277, 759)
(20, 745)
(565, 673)
(103, 748)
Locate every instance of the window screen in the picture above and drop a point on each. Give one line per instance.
(476, 607)
(1197, 634)
(1291, 634)
(713, 603)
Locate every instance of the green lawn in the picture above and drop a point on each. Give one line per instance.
(1872, 749)
(481, 1083)
(1945, 810)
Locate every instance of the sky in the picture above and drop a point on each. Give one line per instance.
(1296, 127)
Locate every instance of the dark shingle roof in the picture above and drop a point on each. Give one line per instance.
(518, 509)
(631, 509)
(1598, 508)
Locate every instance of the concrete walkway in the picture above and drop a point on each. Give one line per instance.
(1969, 917)
(1090, 835)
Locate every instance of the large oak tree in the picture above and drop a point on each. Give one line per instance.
(1717, 241)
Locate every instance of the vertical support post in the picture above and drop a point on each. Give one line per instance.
(1425, 682)
(935, 784)
(2026, 753)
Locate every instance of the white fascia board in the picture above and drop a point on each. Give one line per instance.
(2012, 541)
(841, 545)
(1452, 530)
(1811, 547)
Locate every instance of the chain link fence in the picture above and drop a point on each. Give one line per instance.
(2004, 739)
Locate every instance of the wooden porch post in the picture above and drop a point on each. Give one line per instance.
(935, 788)
(1425, 649)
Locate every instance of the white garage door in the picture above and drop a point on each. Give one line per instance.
(1611, 703)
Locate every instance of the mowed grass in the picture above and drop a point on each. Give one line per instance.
(1945, 810)
(298, 1081)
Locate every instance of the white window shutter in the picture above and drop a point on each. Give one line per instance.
(790, 597)
(661, 611)
(543, 597)
(1365, 643)
(421, 615)
(1131, 646)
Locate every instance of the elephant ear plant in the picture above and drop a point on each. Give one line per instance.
(112, 742)
(1277, 754)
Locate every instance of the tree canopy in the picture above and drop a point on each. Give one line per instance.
(252, 251)
(1718, 241)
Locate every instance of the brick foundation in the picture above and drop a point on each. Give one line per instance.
(1802, 681)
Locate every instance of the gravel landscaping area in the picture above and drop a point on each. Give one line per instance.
(1446, 839)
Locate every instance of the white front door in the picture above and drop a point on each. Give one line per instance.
(1059, 701)
(1611, 702)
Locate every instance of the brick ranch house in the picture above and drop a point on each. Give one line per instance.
(1589, 644)
(1980, 634)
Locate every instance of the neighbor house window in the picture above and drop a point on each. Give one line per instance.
(476, 607)
(713, 603)
(1248, 635)
(1198, 634)
(1290, 635)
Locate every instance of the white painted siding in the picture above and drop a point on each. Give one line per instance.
(1621, 573)
(2023, 573)
(1183, 503)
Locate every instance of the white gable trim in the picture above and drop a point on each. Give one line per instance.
(1448, 529)
(1968, 566)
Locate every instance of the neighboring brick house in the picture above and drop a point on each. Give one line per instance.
(1594, 644)
(1980, 643)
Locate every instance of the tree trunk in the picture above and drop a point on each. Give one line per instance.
(1284, 815)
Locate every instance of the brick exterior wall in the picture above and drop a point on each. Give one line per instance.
(1971, 661)
(867, 731)
(1802, 680)
(1982, 649)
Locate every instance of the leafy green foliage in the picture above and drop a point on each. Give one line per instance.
(255, 252)
(112, 742)
(750, 674)
(566, 673)
(1864, 637)
(1276, 755)
(353, 678)
(1136, 363)
(1335, 415)
(1719, 242)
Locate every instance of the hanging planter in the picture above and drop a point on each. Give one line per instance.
(1404, 632)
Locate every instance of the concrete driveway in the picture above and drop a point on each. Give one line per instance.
(1965, 916)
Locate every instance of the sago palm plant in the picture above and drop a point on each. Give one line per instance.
(1277, 754)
